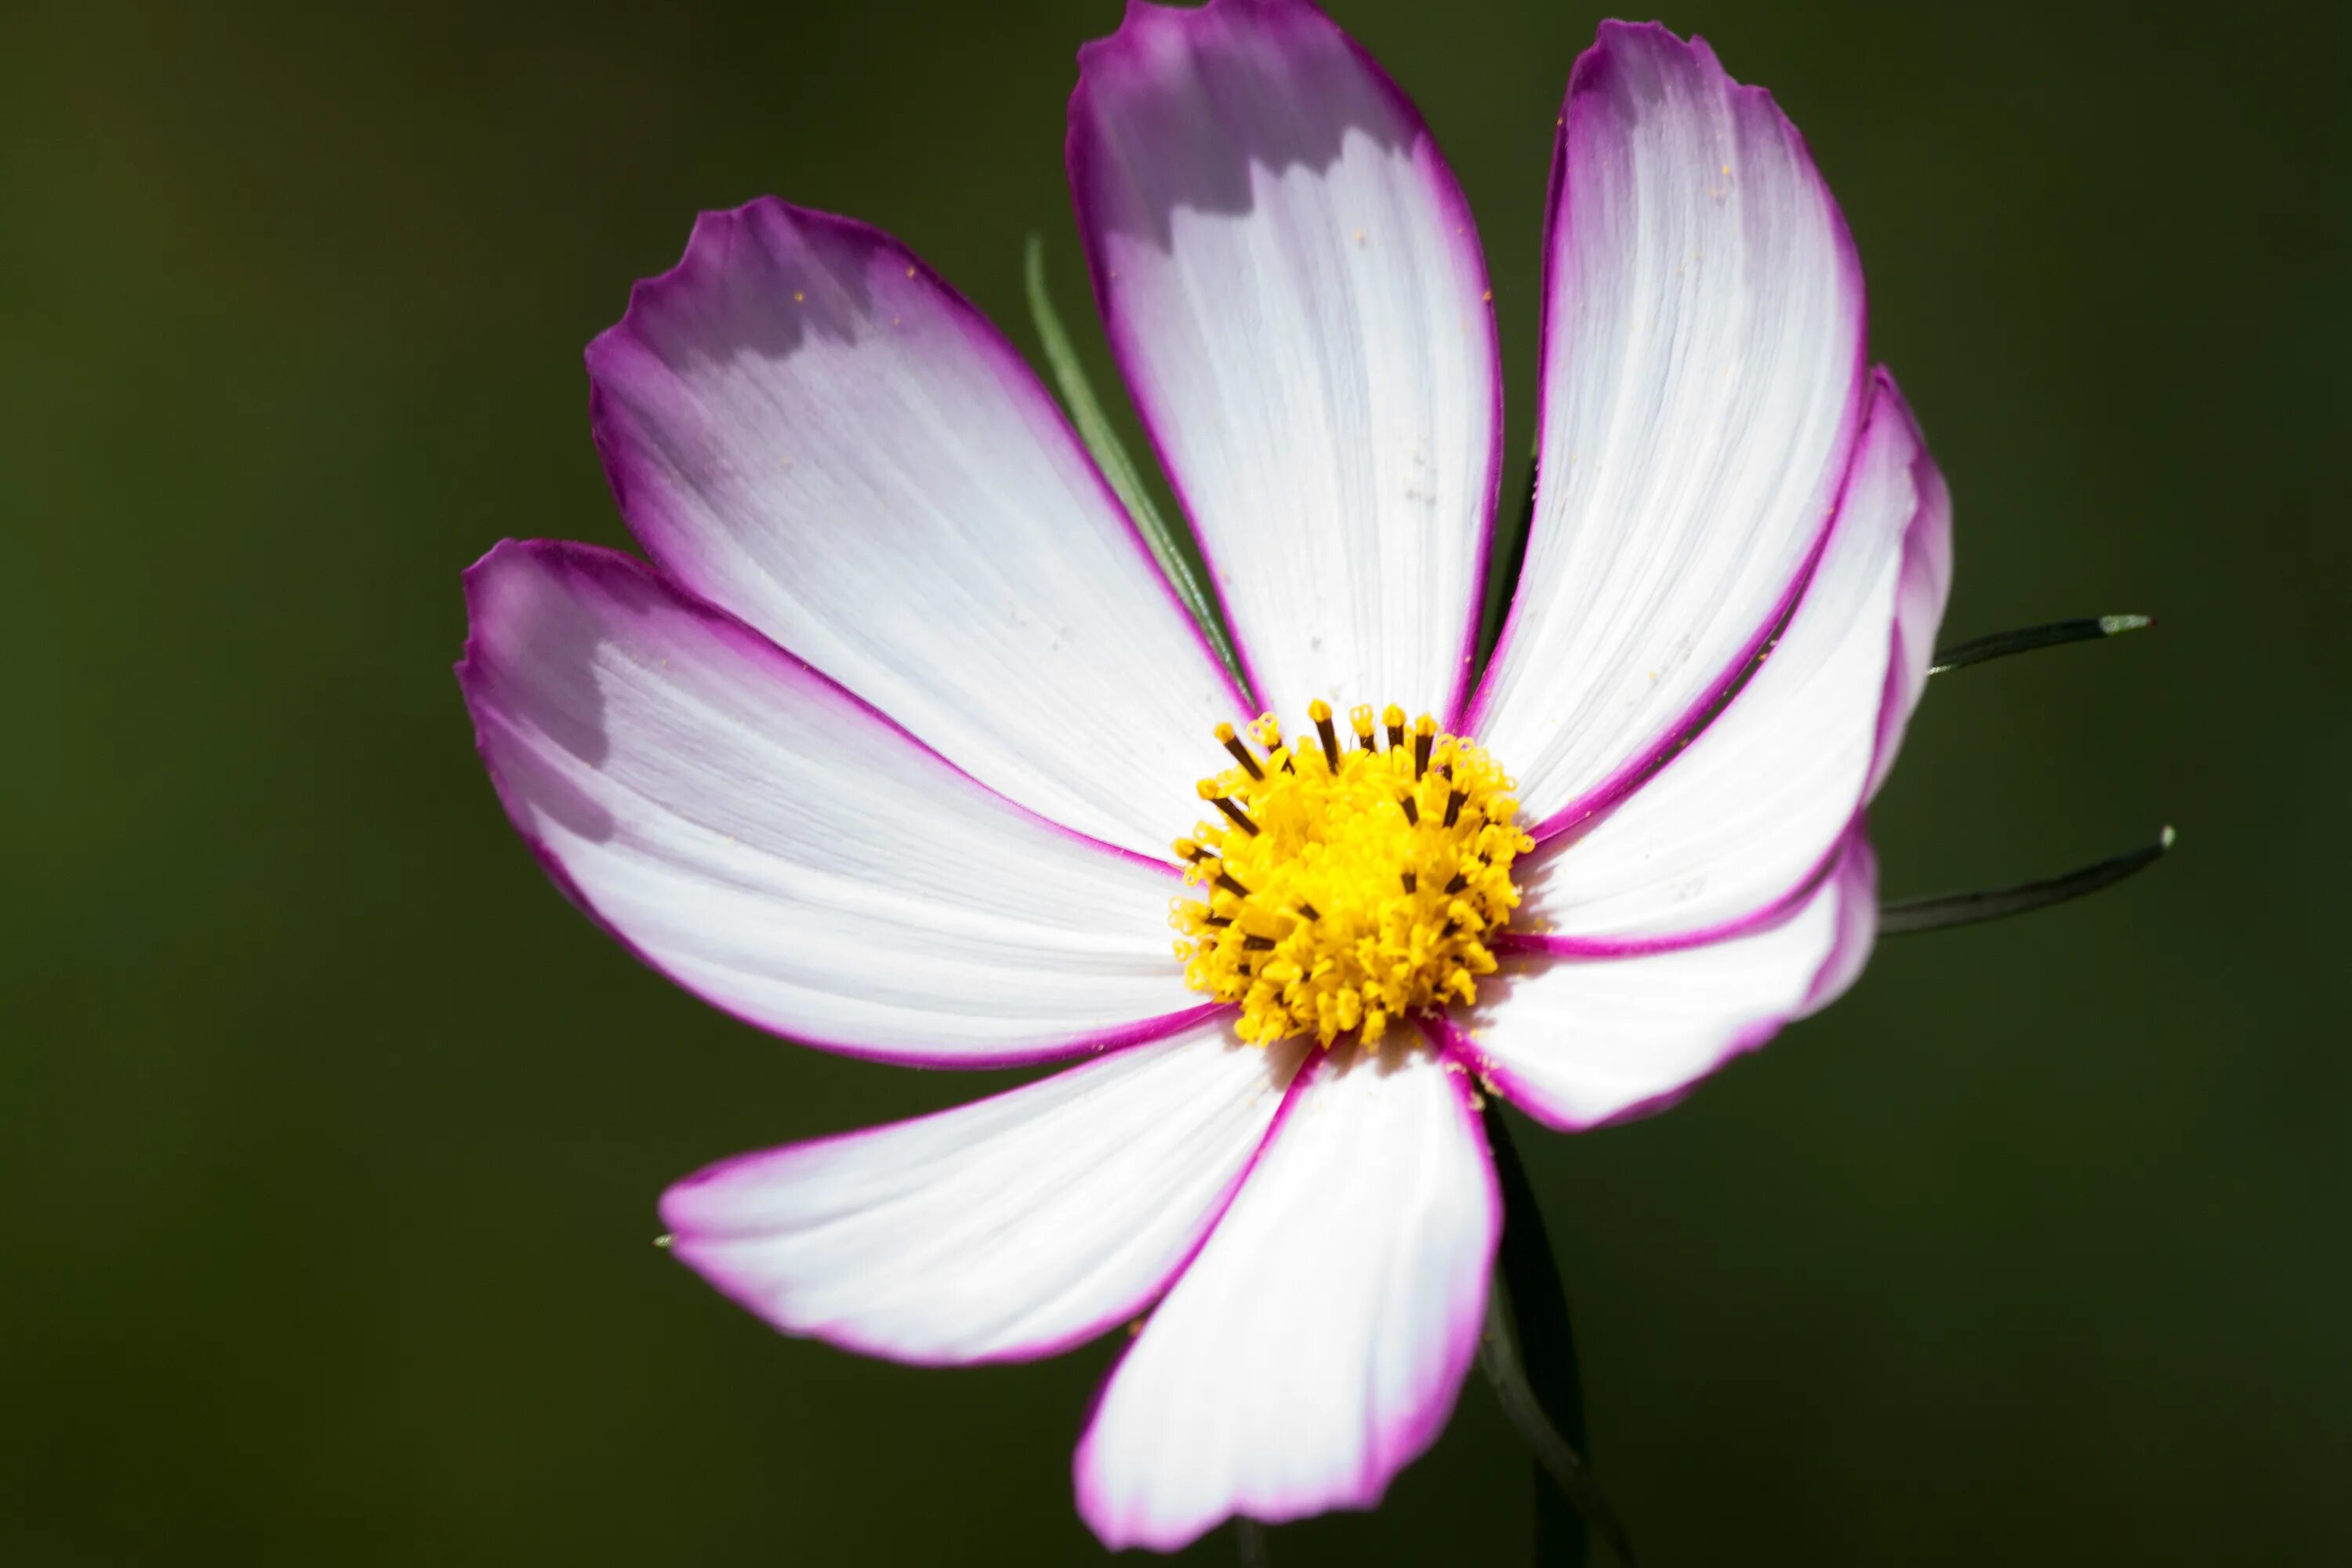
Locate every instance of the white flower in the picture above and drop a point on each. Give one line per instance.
(885, 750)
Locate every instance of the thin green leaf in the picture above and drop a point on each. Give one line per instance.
(2026, 639)
(1167, 543)
(1945, 910)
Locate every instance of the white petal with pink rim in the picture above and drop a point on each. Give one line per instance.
(1014, 1226)
(1315, 1347)
(1582, 1042)
(805, 427)
(1293, 285)
(1702, 386)
(1920, 600)
(776, 846)
(1749, 814)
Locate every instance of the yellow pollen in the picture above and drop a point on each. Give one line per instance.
(1347, 885)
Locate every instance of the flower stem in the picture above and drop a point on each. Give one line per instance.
(1941, 911)
(1168, 548)
(1249, 1545)
(2025, 640)
(1528, 1354)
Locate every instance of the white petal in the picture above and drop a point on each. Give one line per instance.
(1014, 1226)
(773, 844)
(1576, 1042)
(1294, 288)
(1314, 1349)
(1749, 814)
(1702, 386)
(1854, 880)
(807, 427)
(1919, 601)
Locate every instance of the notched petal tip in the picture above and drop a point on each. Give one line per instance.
(1672, 184)
(1203, 143)
(716, 245)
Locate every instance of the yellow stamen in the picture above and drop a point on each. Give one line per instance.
(1213, 791)
(1321, 711)
(1354, 885)
(1233, 742)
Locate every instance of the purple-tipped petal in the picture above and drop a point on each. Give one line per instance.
(1015, 1227)
(1579, 1042)
(1702, 385)
(1748, 816)
(1854, 887)
(1315, 1347)
(807, 427)
(1920, 600)
(1295, 291)
(773, 844)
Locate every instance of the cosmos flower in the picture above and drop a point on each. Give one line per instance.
(885, 749)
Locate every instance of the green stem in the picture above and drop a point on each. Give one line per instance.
(1528, 1354)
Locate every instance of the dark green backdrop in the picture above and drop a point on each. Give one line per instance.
(330, 1135)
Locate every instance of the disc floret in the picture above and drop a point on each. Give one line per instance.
(1345, 881)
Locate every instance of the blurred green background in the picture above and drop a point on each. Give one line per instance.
(332, 1134)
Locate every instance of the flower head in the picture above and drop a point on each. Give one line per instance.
(1347, 884)
(885, 748)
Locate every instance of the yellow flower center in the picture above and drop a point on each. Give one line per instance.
(1347, 883)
